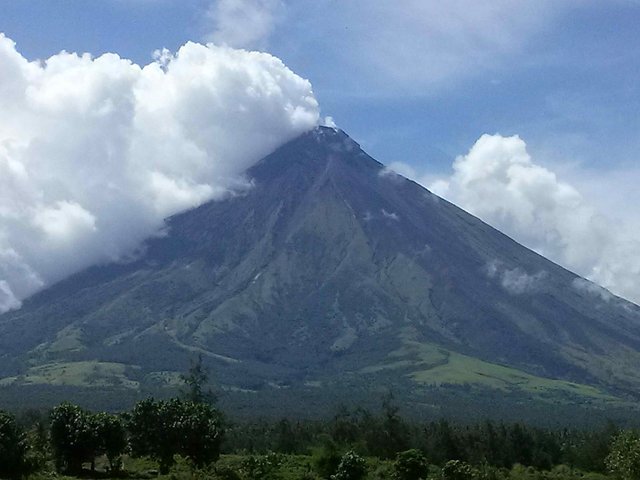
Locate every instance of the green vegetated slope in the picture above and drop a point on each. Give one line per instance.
(436, 366)
(96, 374)
(332, 278)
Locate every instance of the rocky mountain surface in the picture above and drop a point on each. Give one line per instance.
(331, 274)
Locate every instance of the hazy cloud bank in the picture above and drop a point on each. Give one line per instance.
(96, 152)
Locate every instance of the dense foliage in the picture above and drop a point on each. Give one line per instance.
(79, 436)
(351, 467)
(157, 429)
(13, 448)
(164, 429)
(188, 435)
(355, 444)
(624, 458)
(410, 465)
(74, 437)
(386, 434)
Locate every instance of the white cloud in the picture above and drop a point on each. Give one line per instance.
(96, 152)
(515, 281)
(518, 282)
(395, 171)
(499, 182)
(8, 301)
(329, 122)
(64, 221)
(591, 288)
(390, 215)
(244, 23)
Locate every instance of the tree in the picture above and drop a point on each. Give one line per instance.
(442, 442)
(74, 437)
(410, 465)
(285, 440)
(200, 429)
(387, 434)
(195, 381)
(148, 427)
(395, 432)
(624, 459)
(164, 429)
(13, 448)
(112, 438)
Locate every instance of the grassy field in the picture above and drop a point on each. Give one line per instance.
(430, 365)
(435, 366)
(94, 374)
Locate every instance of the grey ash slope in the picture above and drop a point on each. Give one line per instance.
(329, 266)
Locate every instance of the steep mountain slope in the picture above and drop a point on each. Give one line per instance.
(330, 269)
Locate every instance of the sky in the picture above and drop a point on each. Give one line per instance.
(524, 112)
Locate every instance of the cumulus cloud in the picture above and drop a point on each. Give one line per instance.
(498, 181)
(244, 23)
(96, 152)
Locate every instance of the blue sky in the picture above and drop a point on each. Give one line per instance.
(524, 112)
(566, 80)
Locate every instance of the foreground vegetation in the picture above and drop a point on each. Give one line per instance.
(188, 437)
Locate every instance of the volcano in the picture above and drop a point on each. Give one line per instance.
(331, 277)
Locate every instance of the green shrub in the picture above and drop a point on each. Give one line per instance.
(410, 465)
(222, 473)
(326, 459)
(489, 472)
(458, 470)
(261, 467)
(624, 459)
(352, 467)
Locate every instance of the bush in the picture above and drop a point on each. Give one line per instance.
(225, 473)
(261, 467)
(458, 470)
(489, 472)
(327, 459)
(351, 467)
(624, 459)
(410, 465)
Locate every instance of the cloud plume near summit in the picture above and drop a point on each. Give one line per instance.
(96, 152)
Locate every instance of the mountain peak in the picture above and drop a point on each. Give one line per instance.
(326, 272)
(313, 152)
(332, 138)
